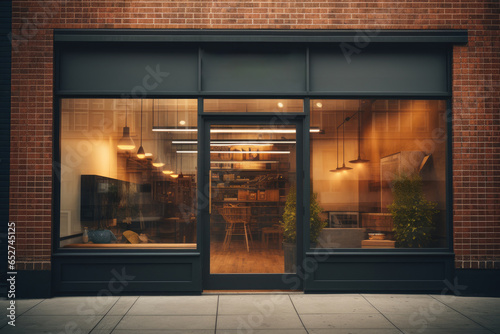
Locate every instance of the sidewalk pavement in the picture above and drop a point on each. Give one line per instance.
(285, 313)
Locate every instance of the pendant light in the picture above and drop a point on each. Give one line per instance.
(169, 170)
(359, 160)
(172, 152)
(126, 143)
(140, 153)
(157, 161)
(181, 175)
(343, 147)
(337, 169)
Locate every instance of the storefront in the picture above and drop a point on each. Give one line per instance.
(191, 161)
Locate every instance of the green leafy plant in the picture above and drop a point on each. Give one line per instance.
(289, 221)
(411, 213)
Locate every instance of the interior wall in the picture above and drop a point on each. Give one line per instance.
(99, 158)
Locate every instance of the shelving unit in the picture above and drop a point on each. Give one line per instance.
(263, 189)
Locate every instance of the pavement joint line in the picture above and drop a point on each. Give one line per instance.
(105, 314)
(399, 329)
(219, 293)
(462, 314)
(124, 314)
(18, 316)
(291, 301)
(216, 314)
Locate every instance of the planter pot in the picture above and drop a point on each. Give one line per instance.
(101, 236)
(290, 254)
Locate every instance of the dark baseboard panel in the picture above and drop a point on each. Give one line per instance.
(33, 284)
(379, 273)
(115, 275)
(478, 282)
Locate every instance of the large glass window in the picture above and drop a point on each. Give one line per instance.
(123, 182)
(378, 173)
(252, 195)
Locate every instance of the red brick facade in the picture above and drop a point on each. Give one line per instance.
(476, 101)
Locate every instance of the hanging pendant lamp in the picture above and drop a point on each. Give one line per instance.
(181, 175)
(157, 162)
(337, 169)
(173, 174)
(343, 148)
(140, 153)
(126, 143)
(359, 160)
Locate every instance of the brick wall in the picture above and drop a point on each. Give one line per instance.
(476, 101)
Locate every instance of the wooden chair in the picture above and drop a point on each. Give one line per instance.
(237, 223)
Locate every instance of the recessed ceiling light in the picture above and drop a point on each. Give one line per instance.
(319, 105)
(280, 105)
(182, 122)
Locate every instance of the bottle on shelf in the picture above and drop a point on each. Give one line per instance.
(85, 236)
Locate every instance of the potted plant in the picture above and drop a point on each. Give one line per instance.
(289, 225)
(411, 213)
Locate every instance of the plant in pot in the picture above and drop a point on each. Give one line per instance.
(411, 213)
(289, 225)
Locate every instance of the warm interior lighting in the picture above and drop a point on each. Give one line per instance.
(157, 162)
(336, 170)
(244, 161)
(148, 155)
(343, 168)
(359, 160)
(126, 143)
(234, 152)
(280, 105)
(319, 104)
(140, 153)
(167, 172)
(174, 176)
(182, 122)
(230, 130)
(165, 129)
(235, 143)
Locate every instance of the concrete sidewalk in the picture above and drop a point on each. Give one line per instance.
(257, 313)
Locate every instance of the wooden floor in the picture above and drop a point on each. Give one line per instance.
(236, 259)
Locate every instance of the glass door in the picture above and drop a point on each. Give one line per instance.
(252, 198)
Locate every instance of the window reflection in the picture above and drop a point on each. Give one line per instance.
(122, 183)
(369, 149)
